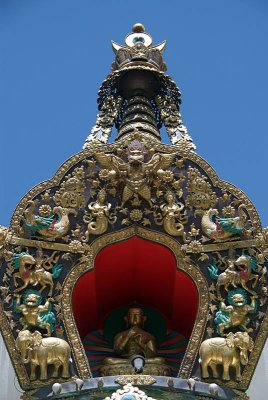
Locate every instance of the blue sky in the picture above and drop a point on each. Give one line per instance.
(54, 55)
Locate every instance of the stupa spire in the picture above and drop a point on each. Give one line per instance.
(138, 95)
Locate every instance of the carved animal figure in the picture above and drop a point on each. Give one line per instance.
(222, 229)
(235, 314)
(54, 226)
(42, 352)
(231, 351)
(232, 276)
(35, 314)
(24, 262)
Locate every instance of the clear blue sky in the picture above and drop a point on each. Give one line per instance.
(54, 55)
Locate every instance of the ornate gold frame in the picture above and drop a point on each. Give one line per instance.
(86, 265)
(189, 269)
(202, 163)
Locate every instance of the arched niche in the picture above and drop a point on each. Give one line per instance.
(138, 265)
(140, 271)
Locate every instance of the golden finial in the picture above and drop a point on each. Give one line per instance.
(138, 28)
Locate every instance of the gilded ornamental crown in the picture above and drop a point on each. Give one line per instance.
(138, 49)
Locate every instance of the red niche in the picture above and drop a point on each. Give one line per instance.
(140, 271)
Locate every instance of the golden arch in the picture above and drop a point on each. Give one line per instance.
(84, 266)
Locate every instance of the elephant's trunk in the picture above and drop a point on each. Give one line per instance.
(25, 355)
(244, 357)
(26, 360)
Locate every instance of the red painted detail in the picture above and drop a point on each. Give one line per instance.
(51, 226)
(243, 274)
(25, 274)
(219, 227)
(135, 270)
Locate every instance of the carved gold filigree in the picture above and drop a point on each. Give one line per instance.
(200, 193)
(83, 265)
(127, 369)
(235, 314)
(135, 380)
(72, 247)
(262, 241)
(240, 396)
(71, 192)
(227, 187)
(238, 272)
(105, 120)
(61, 178)
(193, 247)
(169, 112)
(4, 239)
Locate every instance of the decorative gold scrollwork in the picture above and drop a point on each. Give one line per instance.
(71, 191)
(200, 193)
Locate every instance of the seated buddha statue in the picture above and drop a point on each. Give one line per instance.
(134, 342)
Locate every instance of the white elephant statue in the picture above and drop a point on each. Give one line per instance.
(39, 351)
(228, 352)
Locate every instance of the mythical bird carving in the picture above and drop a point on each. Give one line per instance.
(136, 173)
(56, 225)
(222, 229)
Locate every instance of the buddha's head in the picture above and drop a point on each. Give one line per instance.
(135, 317)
